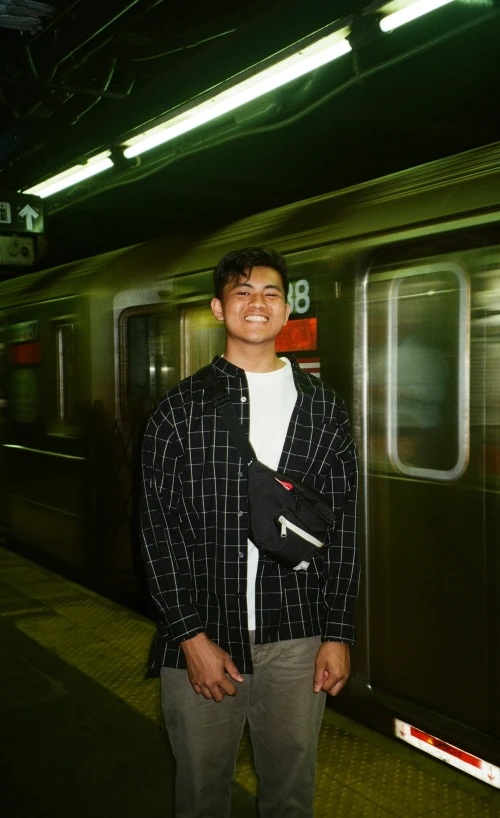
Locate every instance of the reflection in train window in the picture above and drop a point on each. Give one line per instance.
(203, 338)
(428, 372)
(151, 359)
(65, 373)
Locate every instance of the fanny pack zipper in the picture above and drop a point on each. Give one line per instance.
(299, 531)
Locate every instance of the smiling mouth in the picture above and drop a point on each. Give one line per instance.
(261, 318)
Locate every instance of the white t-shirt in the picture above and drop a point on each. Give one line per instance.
(272, 400)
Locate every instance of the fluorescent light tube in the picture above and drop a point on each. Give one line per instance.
(313, 56)
(97, 164)
(405, 15)
(290, 68)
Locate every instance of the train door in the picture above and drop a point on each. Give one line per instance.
(159, 344)
(428, 554)
(148, 365)
(45, 501)
(485, 448)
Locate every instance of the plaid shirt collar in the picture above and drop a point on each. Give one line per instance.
(302, 382)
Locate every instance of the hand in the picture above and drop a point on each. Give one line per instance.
(333, 667)
(208, 668)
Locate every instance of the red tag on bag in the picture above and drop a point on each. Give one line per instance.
(287, 486)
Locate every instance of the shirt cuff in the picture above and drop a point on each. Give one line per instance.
(338, 627)
(184, 627)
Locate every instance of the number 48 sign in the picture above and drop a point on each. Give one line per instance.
(298, 296)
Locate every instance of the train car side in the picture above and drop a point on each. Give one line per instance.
(395, 297)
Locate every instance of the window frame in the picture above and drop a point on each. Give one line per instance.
(65, 413)
(62, 386)
(463, 391)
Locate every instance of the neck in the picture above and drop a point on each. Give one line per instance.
(255, 359)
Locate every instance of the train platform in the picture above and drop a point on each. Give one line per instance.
(82, 732)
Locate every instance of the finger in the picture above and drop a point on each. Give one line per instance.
(217, 693)
(320, 677)
(335, 689)
(206, 692)
(334, 682)
(196, 687)
(227, 687)
(232, 670)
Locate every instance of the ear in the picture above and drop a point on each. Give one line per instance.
(217, 310)
(287, 315)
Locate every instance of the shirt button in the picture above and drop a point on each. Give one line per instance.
(243, 400)
(240, 474)
(241, 555)
(240, 514)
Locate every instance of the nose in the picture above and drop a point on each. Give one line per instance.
(258, 300)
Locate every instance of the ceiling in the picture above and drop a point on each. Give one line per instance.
(86, 73)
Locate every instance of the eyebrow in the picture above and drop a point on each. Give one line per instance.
(266, 287)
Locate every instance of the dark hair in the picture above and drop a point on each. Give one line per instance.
(240, 263)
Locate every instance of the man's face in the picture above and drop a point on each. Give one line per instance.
(254, 310)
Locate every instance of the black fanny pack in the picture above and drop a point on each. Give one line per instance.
(289, 520)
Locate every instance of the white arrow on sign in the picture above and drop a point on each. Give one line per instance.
(29, 213)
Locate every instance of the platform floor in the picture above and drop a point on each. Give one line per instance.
(81, 732)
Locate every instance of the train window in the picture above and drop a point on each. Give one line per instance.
(203, 338)
(150, 364)
(427, 362)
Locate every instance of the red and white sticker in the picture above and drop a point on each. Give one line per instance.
(311, 365)
(448, 752)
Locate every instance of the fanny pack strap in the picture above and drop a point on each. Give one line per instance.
(224, 408)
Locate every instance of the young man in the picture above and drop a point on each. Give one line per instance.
(240, 636)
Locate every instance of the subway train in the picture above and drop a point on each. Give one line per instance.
(395, 301)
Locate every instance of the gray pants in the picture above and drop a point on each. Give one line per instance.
(284, 718)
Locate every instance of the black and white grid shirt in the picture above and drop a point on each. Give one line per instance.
(195, 523)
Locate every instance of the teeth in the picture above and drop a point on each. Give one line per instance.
(255, 318)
